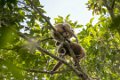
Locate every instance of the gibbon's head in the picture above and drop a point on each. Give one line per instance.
(64, 29)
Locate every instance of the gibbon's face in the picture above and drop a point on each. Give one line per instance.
(66, 30)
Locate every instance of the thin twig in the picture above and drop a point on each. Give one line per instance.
(47, 72)
(110, 8)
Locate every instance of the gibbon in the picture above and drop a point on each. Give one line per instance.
(64, 51)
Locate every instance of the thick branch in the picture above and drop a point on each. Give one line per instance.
(53, 56)
(48, 23)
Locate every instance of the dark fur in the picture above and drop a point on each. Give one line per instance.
(63, 51)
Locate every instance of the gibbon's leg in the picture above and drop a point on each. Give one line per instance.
(57, 66)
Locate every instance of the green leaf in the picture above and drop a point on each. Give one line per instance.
(16, 72)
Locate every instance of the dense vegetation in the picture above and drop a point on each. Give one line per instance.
(23, 26)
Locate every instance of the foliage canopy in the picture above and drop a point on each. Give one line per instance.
(19, 59)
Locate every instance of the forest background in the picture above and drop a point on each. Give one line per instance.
(26, 55)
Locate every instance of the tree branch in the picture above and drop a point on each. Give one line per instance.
(48, 53)
(79, 73)
(46, 72)
(110, 8)
(113, 4)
